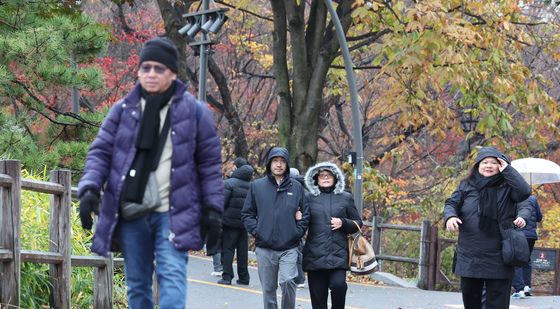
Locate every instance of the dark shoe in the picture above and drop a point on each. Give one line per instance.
(242, 282)
(224, 282)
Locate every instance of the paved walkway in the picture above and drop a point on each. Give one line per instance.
(205, 293)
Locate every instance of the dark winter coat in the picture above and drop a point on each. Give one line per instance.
(269, 210)
(196, 178)
(530, 230)
(325, 248)
(235, 191)
(479, 253)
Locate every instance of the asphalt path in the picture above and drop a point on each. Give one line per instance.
(205, 293)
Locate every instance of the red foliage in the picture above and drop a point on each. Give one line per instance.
(119, 66)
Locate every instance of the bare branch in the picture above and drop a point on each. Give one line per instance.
(54, 110)
(8, 24)
(244, 10)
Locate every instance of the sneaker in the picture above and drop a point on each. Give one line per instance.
(216, 273)
(301, 286)
(527, 291)
(242, 282)
(224, 282)
(518, 295)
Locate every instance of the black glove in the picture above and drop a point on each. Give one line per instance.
(211, 230)
(89, 202)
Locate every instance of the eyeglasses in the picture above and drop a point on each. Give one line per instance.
(146, 68)
(325, 175)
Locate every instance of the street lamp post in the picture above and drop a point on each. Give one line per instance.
(203, 58)
(205, 21)
(75, 94)
(357, 128)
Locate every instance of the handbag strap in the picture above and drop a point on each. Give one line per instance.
(358, 226)
(351, 241)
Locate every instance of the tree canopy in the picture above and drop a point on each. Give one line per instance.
(437, 78)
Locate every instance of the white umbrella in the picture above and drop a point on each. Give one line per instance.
(537, 171)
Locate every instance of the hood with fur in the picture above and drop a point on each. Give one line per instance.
(331, 167)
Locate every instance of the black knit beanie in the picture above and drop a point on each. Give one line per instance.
(161, 50)
(239, 162)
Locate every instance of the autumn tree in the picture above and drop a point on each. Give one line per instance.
(46, 47)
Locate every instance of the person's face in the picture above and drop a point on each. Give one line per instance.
(325, 179)
(278, 166)
(489, 166)
(155, 77)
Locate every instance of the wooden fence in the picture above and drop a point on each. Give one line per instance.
(59, 255)
(430, 256)
(61, 260)
(425, 268)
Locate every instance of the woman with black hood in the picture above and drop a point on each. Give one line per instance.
(333, 217)
(486, 198)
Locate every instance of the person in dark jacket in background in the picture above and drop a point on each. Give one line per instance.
(276, 214)
(333, 215)
(486, 198)
(300, 279)
(522, 277)
(234, 235)
(218, 268)
(124, 155)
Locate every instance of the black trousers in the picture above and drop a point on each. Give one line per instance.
(234, 239)
(497, 293)
(321, 281)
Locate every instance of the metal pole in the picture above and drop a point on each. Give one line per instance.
(203, 57)
(357, 128)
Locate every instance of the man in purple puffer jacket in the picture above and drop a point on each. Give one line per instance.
(183, 153)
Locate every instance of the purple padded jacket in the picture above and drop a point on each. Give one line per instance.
(196, 177)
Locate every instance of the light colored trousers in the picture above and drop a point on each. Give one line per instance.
(277, 267)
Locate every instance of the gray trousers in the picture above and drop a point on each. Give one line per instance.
(277, 267)
(217, 262)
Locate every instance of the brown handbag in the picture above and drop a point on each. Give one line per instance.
(361, 257)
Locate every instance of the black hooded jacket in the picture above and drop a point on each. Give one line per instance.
(326, 248)
(479, 253)
(269, 210)
(235, 191)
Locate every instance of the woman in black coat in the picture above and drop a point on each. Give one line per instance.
(486, 198)
(325, 255)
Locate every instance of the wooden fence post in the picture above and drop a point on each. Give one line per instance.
(10, 227)
(556, 284)
(424, 255)
(103, 289)
(376, 235)
(432, 269)
(60, 230)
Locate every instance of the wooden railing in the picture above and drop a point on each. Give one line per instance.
(59, 255)
(423, 261)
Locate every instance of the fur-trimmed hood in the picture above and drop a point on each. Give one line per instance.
(331, 167)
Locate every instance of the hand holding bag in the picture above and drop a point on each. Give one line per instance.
(515, 249)
(361, 257)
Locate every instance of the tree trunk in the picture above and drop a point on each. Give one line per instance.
(281, 74)
(313, 48)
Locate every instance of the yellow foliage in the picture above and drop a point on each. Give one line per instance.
(550, 232)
